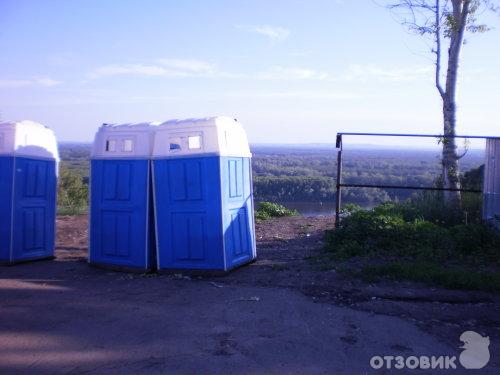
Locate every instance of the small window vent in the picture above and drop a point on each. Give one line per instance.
(128, 145)
(194, 142)
(110, 145)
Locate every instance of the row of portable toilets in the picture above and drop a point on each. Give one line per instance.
(174, 196)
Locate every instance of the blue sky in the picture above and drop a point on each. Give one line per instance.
(292, 71)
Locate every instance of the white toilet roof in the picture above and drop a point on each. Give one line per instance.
(29, 139)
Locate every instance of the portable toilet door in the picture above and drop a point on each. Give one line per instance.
(120, 212)
(203, 195)
(28, 185)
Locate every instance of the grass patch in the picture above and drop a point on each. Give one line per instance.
(267, 210)
(405, 242)
(433, 274)
(389, 230)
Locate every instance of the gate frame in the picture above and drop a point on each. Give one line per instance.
(340, 185)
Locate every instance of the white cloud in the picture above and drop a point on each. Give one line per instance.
(194, 66)
(161, 67)
(289, 73)
(274, 33)
(39, 81)
(369, 72)
(179, 68)
(127, 69)
(182, 68)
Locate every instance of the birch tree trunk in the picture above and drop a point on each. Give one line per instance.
(450, 170)
(450, 157)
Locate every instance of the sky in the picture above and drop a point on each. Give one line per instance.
(291, 71)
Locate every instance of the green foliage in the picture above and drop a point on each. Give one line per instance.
(75, 157)
(294, 188)
(72, 196)
(401, 243)
(74, 151)
(414, 233)
(433, 274)
(382, 231)
(398, 231)
(287, 174)
(349, 208)
(429, 241)
(430, 206)
(268, 210)
(473, 178)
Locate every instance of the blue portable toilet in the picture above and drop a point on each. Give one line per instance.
(120, 202)
(203, 195)
(28, 185)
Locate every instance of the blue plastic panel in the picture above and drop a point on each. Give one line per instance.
(119, 232)
(237, 208)
(204, 213)
(188, 213)
(34, 209)
(6, 183)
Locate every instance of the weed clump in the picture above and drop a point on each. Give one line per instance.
(267, 210)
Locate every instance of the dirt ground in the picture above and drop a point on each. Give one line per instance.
(280, 314)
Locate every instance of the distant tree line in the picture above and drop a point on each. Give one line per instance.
(305, 175)
(282, 175)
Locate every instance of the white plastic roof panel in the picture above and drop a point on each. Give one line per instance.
(221, 136)
(123, 141)
(28, 139)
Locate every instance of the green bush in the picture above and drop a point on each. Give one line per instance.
(268, 210)
(72, 195)
(430, 205)
(349, 208)
(475, 242)
(399, 230)
(399, 243)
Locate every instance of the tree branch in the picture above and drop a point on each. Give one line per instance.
(438, 50)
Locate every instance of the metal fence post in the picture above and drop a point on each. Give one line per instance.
(338, 144)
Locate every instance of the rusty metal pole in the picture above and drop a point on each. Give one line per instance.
(338, 144)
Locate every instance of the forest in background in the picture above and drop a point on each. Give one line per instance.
(307, 173)
(301, 173)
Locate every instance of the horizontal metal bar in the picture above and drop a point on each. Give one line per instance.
(409, 187)
(422, 135)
